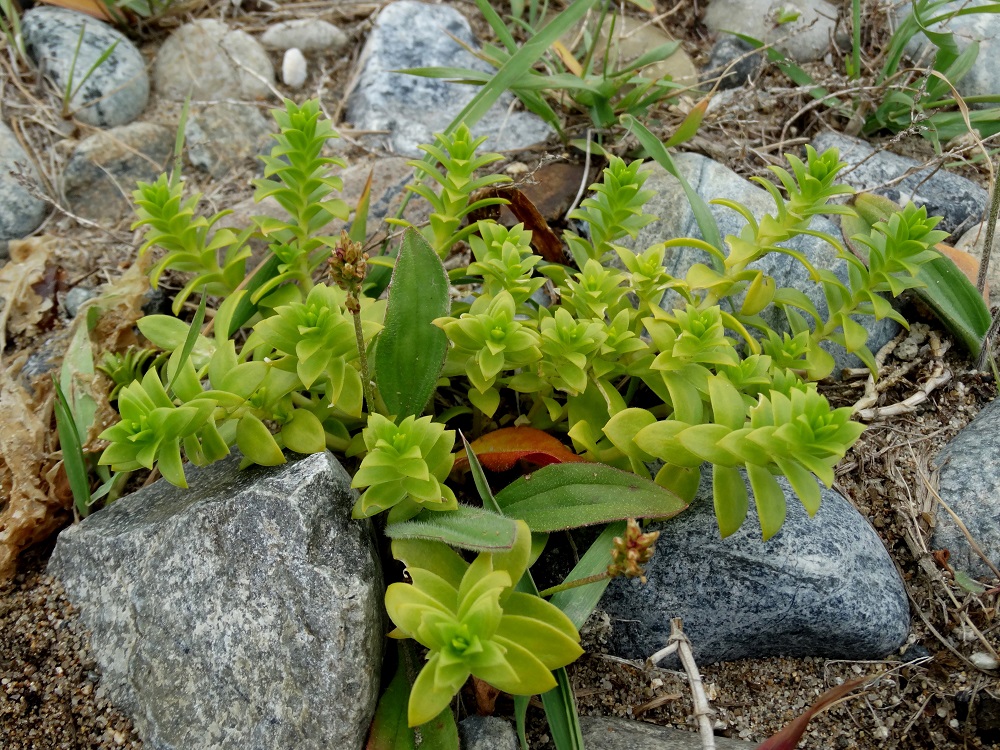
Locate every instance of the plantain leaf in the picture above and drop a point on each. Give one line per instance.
(410, 351)
(562, 496)
(465, 527)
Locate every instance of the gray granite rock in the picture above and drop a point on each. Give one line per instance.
(822, 586)
(210, 61)
(486, 733)
(409, 34)
(221, 136)
(612, 733)
(805, 39)
(969, 482)
(20, 212)
(243, 613)
(306, 34)
(731, 50)
(116, 92)
(711, 180)
(103, 170)
(981, 28)
(959, 201)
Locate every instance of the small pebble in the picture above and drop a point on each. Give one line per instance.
(294, 69)
(984, 661)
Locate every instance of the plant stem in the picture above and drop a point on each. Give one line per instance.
(984, 262)
(366, 380)
(566, 585)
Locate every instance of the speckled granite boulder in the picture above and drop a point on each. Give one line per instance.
(711, 180)
(116, 92)
(969, 481)
(103, 169)
(409, 34)
(486, 733)
(209, 61)
(959, 201)
(221, 136)
(822, 586)
(244, 613)
(20, 212)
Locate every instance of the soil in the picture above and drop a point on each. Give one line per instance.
(930, 695)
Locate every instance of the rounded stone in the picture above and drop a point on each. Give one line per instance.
(115, 93)
(307, 34)
(207, 60)
(21, 213)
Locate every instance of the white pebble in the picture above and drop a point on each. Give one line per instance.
(984, 661)
(294, 69)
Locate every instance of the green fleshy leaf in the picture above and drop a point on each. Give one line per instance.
(769, 498)
(729, 491)
(256, 442)
(303, 433)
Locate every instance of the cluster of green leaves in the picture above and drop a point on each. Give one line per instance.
(628, 381)
(592, 84)
(297, 368)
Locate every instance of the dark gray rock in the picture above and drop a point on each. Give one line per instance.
(822, 586)
(209, 61)
(243, 613)
(116, 92)
(711, 180)
(969, 482)
(103, 170)
(612, 733)
(20, 212)
(409, 34)
(732, 50)
(221, 136)
(75, 298)
(805, 39)
(486, 733)
(959, 201)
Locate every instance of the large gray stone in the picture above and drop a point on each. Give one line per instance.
(221, 136)
(103, 170)
(209, 61)
(960, 201)
(969, 482)
(805, 39)
(822, 586)
(244, 613)
(611, 733)
(409, 34)
(712, 180)
(21, 213)
(117, 90)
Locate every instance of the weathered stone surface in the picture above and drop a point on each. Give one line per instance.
(805, 39)
(117, 90)
(822, 586)
(486, 733)
(633, 37)
(611, 733)
(210, 61)
(969, 482)
(223, 135)
(960, 201)
(102, 172)
(973, 242)
(20, 212)
(711, 180)
(307, 34)
(409, 34)
(244, 613)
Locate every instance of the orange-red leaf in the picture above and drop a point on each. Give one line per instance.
(501, 449)
(789, 737)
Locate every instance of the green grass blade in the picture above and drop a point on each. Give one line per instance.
(72, 450)
(702, 214)
(191, 339)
